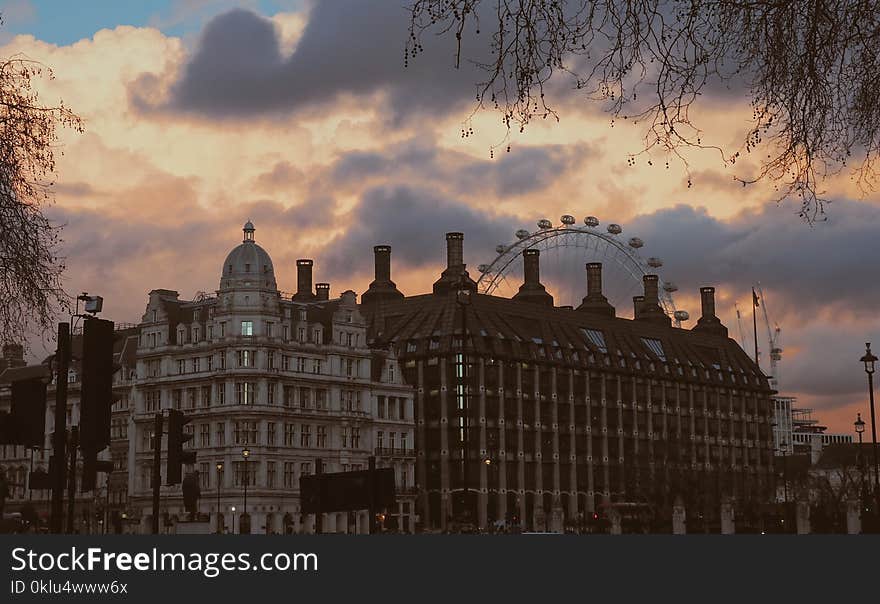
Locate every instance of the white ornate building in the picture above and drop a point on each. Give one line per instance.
(290, 378)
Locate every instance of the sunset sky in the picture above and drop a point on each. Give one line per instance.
(300, 116)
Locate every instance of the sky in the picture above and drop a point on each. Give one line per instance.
(300, 116)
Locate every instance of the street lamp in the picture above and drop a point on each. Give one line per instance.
(860, 429)
(219, 481)
(245, 453)
(869, 360)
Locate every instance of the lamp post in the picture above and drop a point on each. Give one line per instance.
(869, 359)
(860, 429)
(245, 453)
(219, 481)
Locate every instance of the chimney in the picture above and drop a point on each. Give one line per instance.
(454, 250)
(304, 280)
(708, 322)
(455, 276)
(595, 301)
(532, 290)
(382, 287)
(13, 356)
(638, 303)
(322, 291)
(382, 259)
(650, 309)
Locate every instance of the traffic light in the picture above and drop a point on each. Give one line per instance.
(97, 385)
(176, 455)
(25, 423)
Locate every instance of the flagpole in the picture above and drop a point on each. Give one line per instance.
(755, 324)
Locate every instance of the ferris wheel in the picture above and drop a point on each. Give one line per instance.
(565, 249)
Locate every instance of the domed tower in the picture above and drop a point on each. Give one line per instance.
(248, 266)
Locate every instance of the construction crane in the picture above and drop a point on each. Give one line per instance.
(773, 339)
(739, 325)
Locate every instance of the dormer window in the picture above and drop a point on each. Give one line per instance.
(247, 268)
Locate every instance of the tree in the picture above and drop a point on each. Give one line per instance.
(809, 69)
(31, 292)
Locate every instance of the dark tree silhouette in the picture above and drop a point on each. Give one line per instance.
(31, 291)
(809, 69)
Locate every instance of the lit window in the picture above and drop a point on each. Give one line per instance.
(655, 346)
(247, 328)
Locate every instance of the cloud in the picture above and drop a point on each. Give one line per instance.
(348, 48)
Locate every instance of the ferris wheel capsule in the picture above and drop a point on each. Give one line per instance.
(522, 234)
(681, 315)
(615, 229)
(544, 224)
(655, 262)
(670, 287)
(483, 268)
(500, 248)
(636, 243)
(591, 221)
(567, 219)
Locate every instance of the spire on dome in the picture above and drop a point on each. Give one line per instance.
(248, 231)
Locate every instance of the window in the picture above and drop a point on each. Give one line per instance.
(176, 398)
(392, 407)
(196, 364)
(382, 407)
(210, 332)
(221, 434)
(320, 399)
(380, 439)
(191, 396)
(247, 328)
(270, 359)
(392, 437)
(655, 346)
(153, 367)
(355, 438)
(241, 472)
(403, 440)
(222, 329)
(344, 436)
(195, 334)
(305, 436)
(285, 362)
(351, 367)
(152, 401)
(181, 336)
(288, 396)
(206, 396)
(245, 432)
(247, 358)
(349, 339)
(205, 435)
(270, 434)
(316, 336)
(221, 393)
(222, 360)
(390, 372)
(301, 365)
(146, 440)
(348, 401)
(285, 332)
(270, 329)
(289, 435)
(270, 393)
(209, 361)
(596, 338)
(181, 366)
(316, 366)
(245, 393)
(305, 397)
(301, 334)
(305, 468)
(155, 316)
(401, 404)
(302, 315)
(270, 474)
(289, 475)
(321, 437)
(153, 340)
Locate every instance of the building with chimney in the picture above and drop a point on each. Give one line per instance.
(290, 378)
(538, 416)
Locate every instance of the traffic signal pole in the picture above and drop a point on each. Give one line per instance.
(71, 478)
(319, 516)
(59, 436)
(157, 474)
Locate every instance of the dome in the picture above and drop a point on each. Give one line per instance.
(248, 265)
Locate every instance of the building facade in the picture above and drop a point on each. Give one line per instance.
(538, 416)
(289, 378)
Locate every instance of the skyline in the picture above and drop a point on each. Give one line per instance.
(368, 150)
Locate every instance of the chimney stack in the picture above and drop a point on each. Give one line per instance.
(322, 291)
(454, 250)
(650, 307)
(455, 276)
(304, 280)
(532, 290)
(638, 303)
(382, 287)
(708, 322)
(595, 301)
